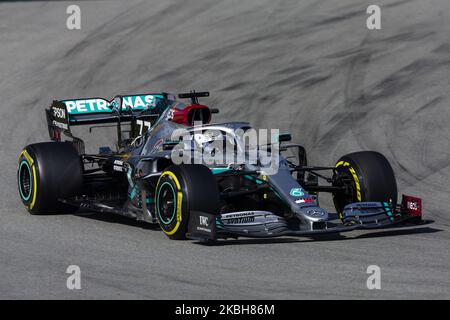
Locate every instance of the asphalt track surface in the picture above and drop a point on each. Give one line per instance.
(309, 67)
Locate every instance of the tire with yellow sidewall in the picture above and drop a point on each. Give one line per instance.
(370, 177)
(181, 189)
(49, 171)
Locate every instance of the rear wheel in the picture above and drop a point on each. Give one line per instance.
(366, 176)
(47, 172)
(182, 189)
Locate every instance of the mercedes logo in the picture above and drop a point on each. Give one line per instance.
(314, 213)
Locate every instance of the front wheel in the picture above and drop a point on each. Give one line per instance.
(182, 189)
(366, 176)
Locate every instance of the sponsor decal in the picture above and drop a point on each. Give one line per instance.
(59, 116)
(297, 192)
(204, 221)
(204, 229)
(63, 126)
(204, 224)
(412, 205)
(87, 106)
(59, 113)
(139, 102)
(239, 218)
(99, 105)
(118, 166)
(239, 214)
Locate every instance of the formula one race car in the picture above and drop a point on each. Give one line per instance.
(144, 179)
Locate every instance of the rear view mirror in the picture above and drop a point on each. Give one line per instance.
(284, 137)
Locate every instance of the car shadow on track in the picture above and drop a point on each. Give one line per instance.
(390, 232)
(115, 218)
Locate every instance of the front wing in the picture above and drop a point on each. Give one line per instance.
(264, 224)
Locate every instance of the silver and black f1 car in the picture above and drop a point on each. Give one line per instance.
(139, 179)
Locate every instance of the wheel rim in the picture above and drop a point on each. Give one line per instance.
(25, 181)
(166, 203)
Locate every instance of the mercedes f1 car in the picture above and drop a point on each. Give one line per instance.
(139, 178)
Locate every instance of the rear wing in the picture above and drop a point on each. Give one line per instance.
(63, 114)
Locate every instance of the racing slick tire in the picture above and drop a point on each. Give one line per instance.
(49, 171)
(181, 189)
(367, 176)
